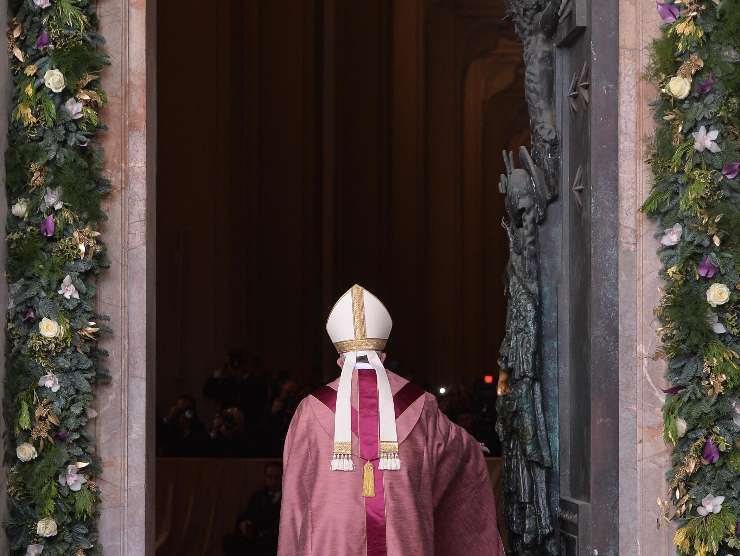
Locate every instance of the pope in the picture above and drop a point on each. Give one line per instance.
(372, 467)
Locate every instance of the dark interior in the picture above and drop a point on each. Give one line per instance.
(307, 145)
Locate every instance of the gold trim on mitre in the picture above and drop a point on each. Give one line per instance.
(358, 312)
(353, 335)
(364, 344)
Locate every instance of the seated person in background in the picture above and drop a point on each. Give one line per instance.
(257, 526)
(181, 433)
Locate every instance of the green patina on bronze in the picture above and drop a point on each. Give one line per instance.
(522, 425)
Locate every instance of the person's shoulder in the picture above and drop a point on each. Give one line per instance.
(321, 396)
(406, 392)
(325, 394)
(402, 382)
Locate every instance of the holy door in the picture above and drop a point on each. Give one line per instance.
(558, 404)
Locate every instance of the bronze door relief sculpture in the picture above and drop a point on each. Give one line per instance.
(559, 360)
(521, 424)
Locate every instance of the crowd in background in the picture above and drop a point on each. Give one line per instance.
(253, 412)
(254, 409)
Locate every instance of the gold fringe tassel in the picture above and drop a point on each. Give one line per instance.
(368, 480)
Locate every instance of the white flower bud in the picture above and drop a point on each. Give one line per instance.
(679, 87)
(46, 527)
(20, 208)
(26, 452)
(49, 328)
(718, 294)
(54, 80)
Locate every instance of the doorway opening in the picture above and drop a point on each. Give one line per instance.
(304, 147)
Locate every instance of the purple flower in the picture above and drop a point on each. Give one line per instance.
(710, 452)
(30, 314)
(707, 269)
(673, 390)
(737, 529)
(43, 40)
(668, 12)
(61, 436)
(47, 226)
(730, 170)
(707, 85)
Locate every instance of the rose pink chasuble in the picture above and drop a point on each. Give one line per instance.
(439, 503)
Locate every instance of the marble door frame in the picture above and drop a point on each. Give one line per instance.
(125, 422)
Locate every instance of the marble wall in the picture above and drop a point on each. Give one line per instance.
(643, 457)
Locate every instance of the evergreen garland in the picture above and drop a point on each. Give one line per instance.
(695, 197)
(54, 184)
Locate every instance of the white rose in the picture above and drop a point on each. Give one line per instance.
(20, 208)
(47, 527)
(42, 3)
(681, 426)
(679, 87)
(49, 328)
(718, 294)
(54, 79)
(26, 451)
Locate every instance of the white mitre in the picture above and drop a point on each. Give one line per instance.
(359, 324)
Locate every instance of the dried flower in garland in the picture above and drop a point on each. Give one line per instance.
(54, 188)
(696, 199)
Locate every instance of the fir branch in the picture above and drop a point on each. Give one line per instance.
(54, 188)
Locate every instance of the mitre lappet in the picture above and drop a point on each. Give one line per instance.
(359, 325)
